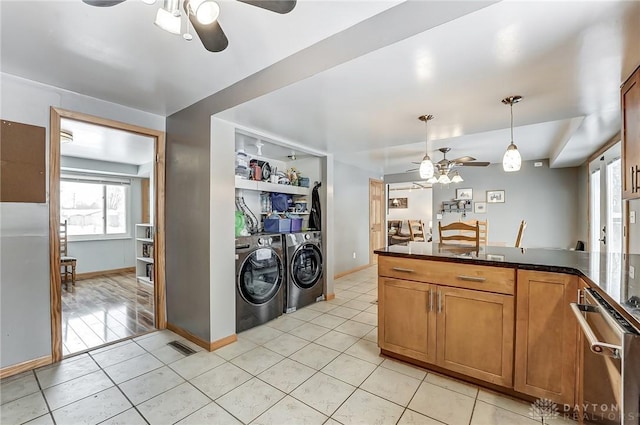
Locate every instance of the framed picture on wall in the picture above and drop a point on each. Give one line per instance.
(480, 207)
(495, 196)
(398, 203)
(464, 194)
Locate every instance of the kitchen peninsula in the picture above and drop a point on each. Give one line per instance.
(497, 316)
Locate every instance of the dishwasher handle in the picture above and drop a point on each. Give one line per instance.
(596, 346)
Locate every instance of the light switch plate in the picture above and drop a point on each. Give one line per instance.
(438, 216)
(632, 272)
(632, 217)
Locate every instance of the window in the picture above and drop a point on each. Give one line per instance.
(94, 207)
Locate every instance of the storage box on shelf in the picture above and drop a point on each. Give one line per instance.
(144, 253)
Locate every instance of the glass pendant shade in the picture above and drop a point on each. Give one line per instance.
(426, 168)
(456, 178)
(432, 180)
(444, 179)
(168, 21)
(511, 161)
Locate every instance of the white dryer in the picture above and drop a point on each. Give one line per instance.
(305, 270)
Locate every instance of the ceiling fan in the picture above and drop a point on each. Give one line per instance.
(445, 166)
(203, 16)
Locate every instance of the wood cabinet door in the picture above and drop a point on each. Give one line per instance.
(475, 334)
(406, 318)
(546, 336)
(630, 103)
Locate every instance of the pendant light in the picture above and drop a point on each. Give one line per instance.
(426, 166)
(511, 161)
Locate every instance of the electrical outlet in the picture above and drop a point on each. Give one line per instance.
(632, 272)
(354, 255)
(632, 217)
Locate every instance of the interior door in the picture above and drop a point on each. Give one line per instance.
(376, 214)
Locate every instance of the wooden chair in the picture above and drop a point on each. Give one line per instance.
(395, 235)
(416, 230)
(459, 232)
(523, 225)
(483, 227)
(67, 263)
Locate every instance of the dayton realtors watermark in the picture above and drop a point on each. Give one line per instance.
(545, 410)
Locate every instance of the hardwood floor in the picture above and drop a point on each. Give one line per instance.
(105, 309)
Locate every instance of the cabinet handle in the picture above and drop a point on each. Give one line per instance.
(402, 269)
(472, 278)
(439, 301)
(636, 187)
(430, 299)
(633, 185)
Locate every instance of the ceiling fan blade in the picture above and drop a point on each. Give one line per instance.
(411, 170)
(464, 159)
(212, 36)
(278, 6)
(474, 164)
(102, 3)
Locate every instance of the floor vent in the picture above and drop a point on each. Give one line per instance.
(187, 351)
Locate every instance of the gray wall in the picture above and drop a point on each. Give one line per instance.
(187, 217)
(547, 198)
(24, 228)
(351, 200)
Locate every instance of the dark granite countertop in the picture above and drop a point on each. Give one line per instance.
(607, 272)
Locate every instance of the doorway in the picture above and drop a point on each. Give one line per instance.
(605, 201)
(376, 218)
(113, 232)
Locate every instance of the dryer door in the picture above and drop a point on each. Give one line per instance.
(260, 276)
(306, 266)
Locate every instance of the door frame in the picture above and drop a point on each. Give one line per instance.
(56, 114)
(372, 256)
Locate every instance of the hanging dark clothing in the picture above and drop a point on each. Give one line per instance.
(315, 219)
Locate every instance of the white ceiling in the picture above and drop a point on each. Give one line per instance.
(92, 141)
(566, 58)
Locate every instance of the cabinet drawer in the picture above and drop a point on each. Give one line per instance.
(469, 276)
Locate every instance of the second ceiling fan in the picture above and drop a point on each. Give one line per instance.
(203, 16)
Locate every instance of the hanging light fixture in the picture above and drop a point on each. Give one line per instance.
(426, 166)
(511, 161)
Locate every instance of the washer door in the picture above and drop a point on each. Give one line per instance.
(260, 276)
(306, 266)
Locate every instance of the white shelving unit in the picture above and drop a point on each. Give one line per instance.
(144, 253)
(270, 187)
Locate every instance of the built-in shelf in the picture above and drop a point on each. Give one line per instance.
(144, 253)
(270, 187)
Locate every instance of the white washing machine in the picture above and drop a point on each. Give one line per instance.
(259, 280)
(305, 269)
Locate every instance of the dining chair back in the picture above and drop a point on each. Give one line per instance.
(483, 228)
(523, 225)
(459, 232)
(67, 263)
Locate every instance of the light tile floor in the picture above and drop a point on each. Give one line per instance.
(319, 365)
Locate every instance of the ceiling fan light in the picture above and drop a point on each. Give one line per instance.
(456, 178)
(511, 161)
(66, 136)
(432, 180)
(444, 179)
(426, 168)
(148, 1)
(206, 11)
(168, 21)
